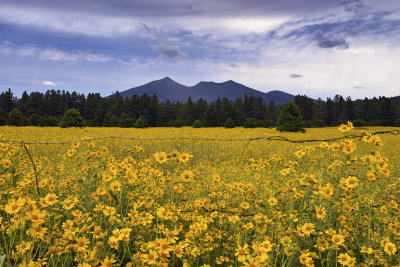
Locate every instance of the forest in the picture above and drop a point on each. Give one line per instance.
(47, 109)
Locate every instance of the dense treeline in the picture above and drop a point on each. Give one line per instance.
(47, 109)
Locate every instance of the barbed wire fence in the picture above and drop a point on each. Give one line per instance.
(270, 138)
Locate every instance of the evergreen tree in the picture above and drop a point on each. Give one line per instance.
(200, 108)
(349, 109)
(71, 118)
(271, 113)
(239, 112)
(305, 105)
(250, 123)
(330, 112)
(290, 119)
(226, 110)
(211, 116)
(3, 117)
(187, 116)
(34, 120)
(167, 113)
(110, 120)
(7, 101)
(229, 123)
(141, 122)
(388, 112)
(125, 121)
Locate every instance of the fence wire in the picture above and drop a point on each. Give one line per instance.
(270, 138)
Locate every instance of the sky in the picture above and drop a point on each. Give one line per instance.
(317, 48)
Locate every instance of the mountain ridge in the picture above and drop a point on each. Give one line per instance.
(167, 88)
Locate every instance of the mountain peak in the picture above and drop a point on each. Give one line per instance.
(167, 79)
(166, 88)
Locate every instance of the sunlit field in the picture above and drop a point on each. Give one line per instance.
(115, 202)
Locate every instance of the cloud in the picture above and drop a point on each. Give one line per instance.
(168, 50)
(359, 87)
(357, 7)
(347, 30)
(326, 42)
(49, 83)
(157, 32)
(68, 21)
(51, 53)
(296, 76)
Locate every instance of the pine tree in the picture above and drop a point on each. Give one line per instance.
(141, 122)
(3, 117)
(290, 119)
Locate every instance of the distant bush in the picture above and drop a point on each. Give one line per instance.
(177, 124)
(16, 118)
(197, 124)
(71, 118)
(229, 123)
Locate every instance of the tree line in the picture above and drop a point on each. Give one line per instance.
(49, 108)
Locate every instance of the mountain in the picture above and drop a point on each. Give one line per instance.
(169, 89)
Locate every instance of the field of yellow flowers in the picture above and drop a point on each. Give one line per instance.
(114, 202)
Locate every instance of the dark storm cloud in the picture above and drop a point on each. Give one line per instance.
(296, 76)
(327, 42)
(168, 50)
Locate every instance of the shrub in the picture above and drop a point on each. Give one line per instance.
(290, 119)
(229, 123)
(141, 122)
(197, 124)
(177, 124)
(16, 118)
(71, 118)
